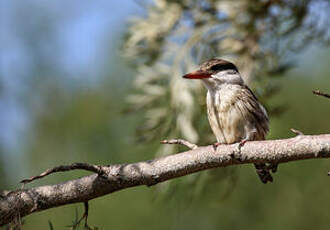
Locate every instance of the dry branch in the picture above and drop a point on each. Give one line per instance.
(180, 142)
(318, 92)
(23, 202)
(64, 168)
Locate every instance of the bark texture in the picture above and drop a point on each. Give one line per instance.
(23, 202)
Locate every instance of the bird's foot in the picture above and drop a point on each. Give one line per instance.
(241, 144)
(215, 145)
(237, 154)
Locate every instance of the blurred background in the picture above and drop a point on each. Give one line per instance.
(100, 82)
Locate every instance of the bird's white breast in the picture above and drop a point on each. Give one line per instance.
(226, 120)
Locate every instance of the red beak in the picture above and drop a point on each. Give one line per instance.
(199, 74)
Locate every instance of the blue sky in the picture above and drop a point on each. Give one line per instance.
(77, 45)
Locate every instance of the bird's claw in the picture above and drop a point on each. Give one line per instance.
(237, 154)
(215, 145)
(241, 144)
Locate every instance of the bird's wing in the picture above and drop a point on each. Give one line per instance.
(254, 112)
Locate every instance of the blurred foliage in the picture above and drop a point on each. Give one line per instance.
(72, 120)
(173, 37)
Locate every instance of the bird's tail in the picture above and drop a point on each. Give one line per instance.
(263, 172)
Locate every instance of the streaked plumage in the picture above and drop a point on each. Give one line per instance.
(235, 114)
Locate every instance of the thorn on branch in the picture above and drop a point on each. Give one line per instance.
(64, 168)
(318, 92)
(297, 132)
(180, 142)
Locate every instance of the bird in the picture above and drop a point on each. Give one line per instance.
(234, 112)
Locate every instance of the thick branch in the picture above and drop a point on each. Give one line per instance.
(117, 177)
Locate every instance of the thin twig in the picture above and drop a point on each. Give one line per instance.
(64, 168)
(180, 142)
(318, 92)
(297, 132)
(85, 216)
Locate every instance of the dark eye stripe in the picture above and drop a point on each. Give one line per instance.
(226, 66)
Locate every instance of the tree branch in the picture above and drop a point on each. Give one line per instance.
(180, 142)
(318, 92)
(23, 202)
(64, 168)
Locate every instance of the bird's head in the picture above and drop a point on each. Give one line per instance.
(216, 72)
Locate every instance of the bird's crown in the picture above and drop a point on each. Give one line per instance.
(215, 65)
